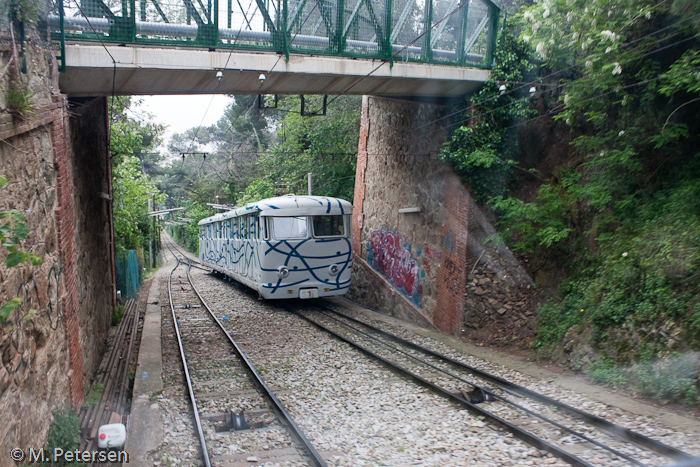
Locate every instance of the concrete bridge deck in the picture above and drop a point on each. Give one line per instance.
(144, 70)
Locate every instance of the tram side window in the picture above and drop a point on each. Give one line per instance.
(264, 228)
(328, 226)
(289, 227)
(244, 227)
(252, 224)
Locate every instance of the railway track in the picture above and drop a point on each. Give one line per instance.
(568, 433)
(215, 367)
(578, 438)
(177, 252)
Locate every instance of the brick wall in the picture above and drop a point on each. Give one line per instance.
(50, 343)
(34, 376)
(66, 233)
(89, 140)
(361, 167)
(452, 275)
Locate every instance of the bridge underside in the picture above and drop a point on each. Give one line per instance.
(158, 70)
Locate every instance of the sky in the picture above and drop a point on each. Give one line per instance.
(183, 112)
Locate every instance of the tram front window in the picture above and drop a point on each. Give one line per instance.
(285, 228)
(328, 226)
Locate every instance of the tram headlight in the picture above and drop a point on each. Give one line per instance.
(333, 269)
(282, 271)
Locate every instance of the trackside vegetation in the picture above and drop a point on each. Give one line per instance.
(132, 146)
(254, 152)
(617, 215)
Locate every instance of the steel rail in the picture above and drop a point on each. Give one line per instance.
(496, 396)
(604, 425)
(195, 410)
(516, 431)
(264, 389)
(175, 250)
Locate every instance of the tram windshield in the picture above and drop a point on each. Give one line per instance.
(328, 226)
(289, 227)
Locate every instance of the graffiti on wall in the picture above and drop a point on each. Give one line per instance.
(390, 254)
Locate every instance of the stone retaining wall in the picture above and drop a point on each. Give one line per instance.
(419, 254)
(433, 264)
(50, 345)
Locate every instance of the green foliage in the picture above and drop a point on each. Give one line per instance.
(618, 214)
(132, 144)
(8, 308)
(188, 234)
(253, 154)
(64, 431)
(671, 380)
(19, 102)
(547, 221)
(555, 319)
(482, 151)
(644, 273)
(117, 315)
(132, 189)
(605, 372)
(237, 139)
(12, 231)
(324, 146)
(26, 11)
(93, 397)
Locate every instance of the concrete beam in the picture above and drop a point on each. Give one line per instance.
(150, 70)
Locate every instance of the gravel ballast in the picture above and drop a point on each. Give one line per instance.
(354, 411)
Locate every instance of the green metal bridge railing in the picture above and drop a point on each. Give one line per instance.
(450, 32)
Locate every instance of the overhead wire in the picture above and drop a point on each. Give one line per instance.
(569, 83)
(534, 118)
(398, 52)
(231, 45)
(561, 85)
(580, 63)
(114, 62)
(230, 127)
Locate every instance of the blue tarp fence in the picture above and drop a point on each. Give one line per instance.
(128, 275)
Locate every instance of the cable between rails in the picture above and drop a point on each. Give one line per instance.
(296, 431)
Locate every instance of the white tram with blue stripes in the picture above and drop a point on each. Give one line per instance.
(285, 247)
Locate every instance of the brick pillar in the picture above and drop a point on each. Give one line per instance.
(358, 216)
(452, 273)
(66, 233)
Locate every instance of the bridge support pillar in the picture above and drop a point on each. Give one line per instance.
(410, 217)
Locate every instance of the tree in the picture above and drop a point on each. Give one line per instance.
(325, 146)
(134, 158)
(621, 208)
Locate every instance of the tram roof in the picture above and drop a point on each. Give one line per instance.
(287, 206)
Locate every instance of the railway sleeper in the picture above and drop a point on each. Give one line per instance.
(239, 421)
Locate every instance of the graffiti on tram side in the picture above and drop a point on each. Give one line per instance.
(390, 254)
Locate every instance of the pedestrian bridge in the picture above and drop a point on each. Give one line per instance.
(430, 48)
